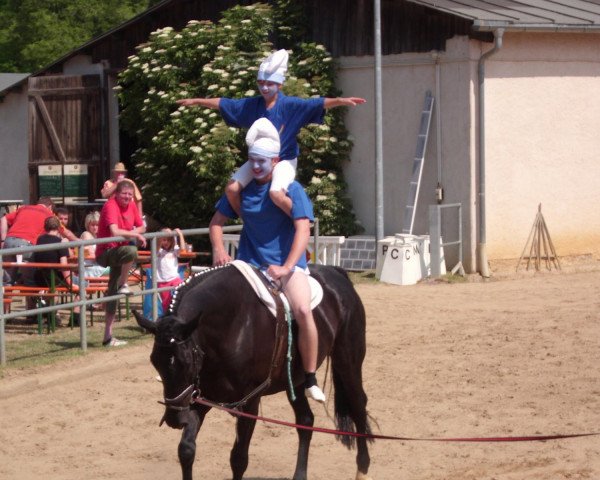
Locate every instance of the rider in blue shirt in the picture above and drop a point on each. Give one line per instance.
(274, 241)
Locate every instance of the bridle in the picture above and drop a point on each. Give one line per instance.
(185, 399)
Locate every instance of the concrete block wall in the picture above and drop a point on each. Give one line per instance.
(359, 253)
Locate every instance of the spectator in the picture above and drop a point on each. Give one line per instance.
(92, 269)
(288, 115)
(22, 227)
(42, 276)
(273, 241)
(62, 213)
(119, 173)
(119, 218)
(167, 269)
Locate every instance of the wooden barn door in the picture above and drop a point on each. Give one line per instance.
(66, 140)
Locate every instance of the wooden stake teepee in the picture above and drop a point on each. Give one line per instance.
(540, 245)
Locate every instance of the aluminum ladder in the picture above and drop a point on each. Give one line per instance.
(417, 170)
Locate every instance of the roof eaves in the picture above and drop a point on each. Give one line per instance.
(19, 80)
(491, 25)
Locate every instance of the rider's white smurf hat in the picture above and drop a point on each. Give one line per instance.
(274, 67)
(263, 139)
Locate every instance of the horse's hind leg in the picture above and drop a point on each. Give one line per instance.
(244, 430)
(187, 444)
(304, 416)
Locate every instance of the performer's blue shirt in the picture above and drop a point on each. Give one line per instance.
(289, 115)
(268, 232)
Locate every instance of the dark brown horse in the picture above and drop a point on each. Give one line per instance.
(217, 343)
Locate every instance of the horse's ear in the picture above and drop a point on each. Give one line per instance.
(144, 322)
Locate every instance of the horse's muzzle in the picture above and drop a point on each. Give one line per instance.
(175, 419)
(177, 409)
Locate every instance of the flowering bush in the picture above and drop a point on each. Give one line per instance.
(186, 155)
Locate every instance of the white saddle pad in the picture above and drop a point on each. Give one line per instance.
(316, 291)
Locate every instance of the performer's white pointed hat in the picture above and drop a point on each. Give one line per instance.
(274, 67)
(262, 139)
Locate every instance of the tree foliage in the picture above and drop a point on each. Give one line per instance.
(186, 155)
(33, 33)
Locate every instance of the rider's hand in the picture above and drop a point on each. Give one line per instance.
(220, 258)
(278, 271)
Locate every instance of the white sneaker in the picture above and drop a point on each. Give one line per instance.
(124, 290)
(114, 342)
(316, 393)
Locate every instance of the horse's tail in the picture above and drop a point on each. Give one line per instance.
(344, 414)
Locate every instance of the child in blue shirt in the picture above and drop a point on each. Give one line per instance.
(287, 114)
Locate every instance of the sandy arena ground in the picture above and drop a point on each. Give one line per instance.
(518, 355)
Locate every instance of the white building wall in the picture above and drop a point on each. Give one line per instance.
(542, 104)
(406, 78)
(542, 117)
(14, 151)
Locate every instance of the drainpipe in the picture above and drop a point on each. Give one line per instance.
(439, 191)
(379, 210)
(482, 259)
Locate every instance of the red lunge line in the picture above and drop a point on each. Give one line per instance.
(534, 438)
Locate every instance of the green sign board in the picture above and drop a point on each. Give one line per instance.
(50, 180)
(64, 183)
(75, 183)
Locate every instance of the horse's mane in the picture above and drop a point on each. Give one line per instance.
(189, 284)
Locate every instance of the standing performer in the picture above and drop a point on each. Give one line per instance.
(274, 241)
(287, 114)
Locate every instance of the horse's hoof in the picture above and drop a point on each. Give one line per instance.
(362, 476)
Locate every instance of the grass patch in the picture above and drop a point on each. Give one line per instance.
(26, 350)
(367, 276)
(451, 278)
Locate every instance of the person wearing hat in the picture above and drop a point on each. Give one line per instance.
(119, 172)
(287, 114)
(274, 241)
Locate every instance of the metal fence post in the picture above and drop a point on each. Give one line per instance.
(316, 241)
(435, 234)
(435, 238)
(153, 265)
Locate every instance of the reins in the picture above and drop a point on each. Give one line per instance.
(189, 395)
(280, 337)
(192, 393)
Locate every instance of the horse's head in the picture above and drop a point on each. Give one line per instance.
(178, 359)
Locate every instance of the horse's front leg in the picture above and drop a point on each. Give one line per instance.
(187, 444)
(244, 430)
(304, 416)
